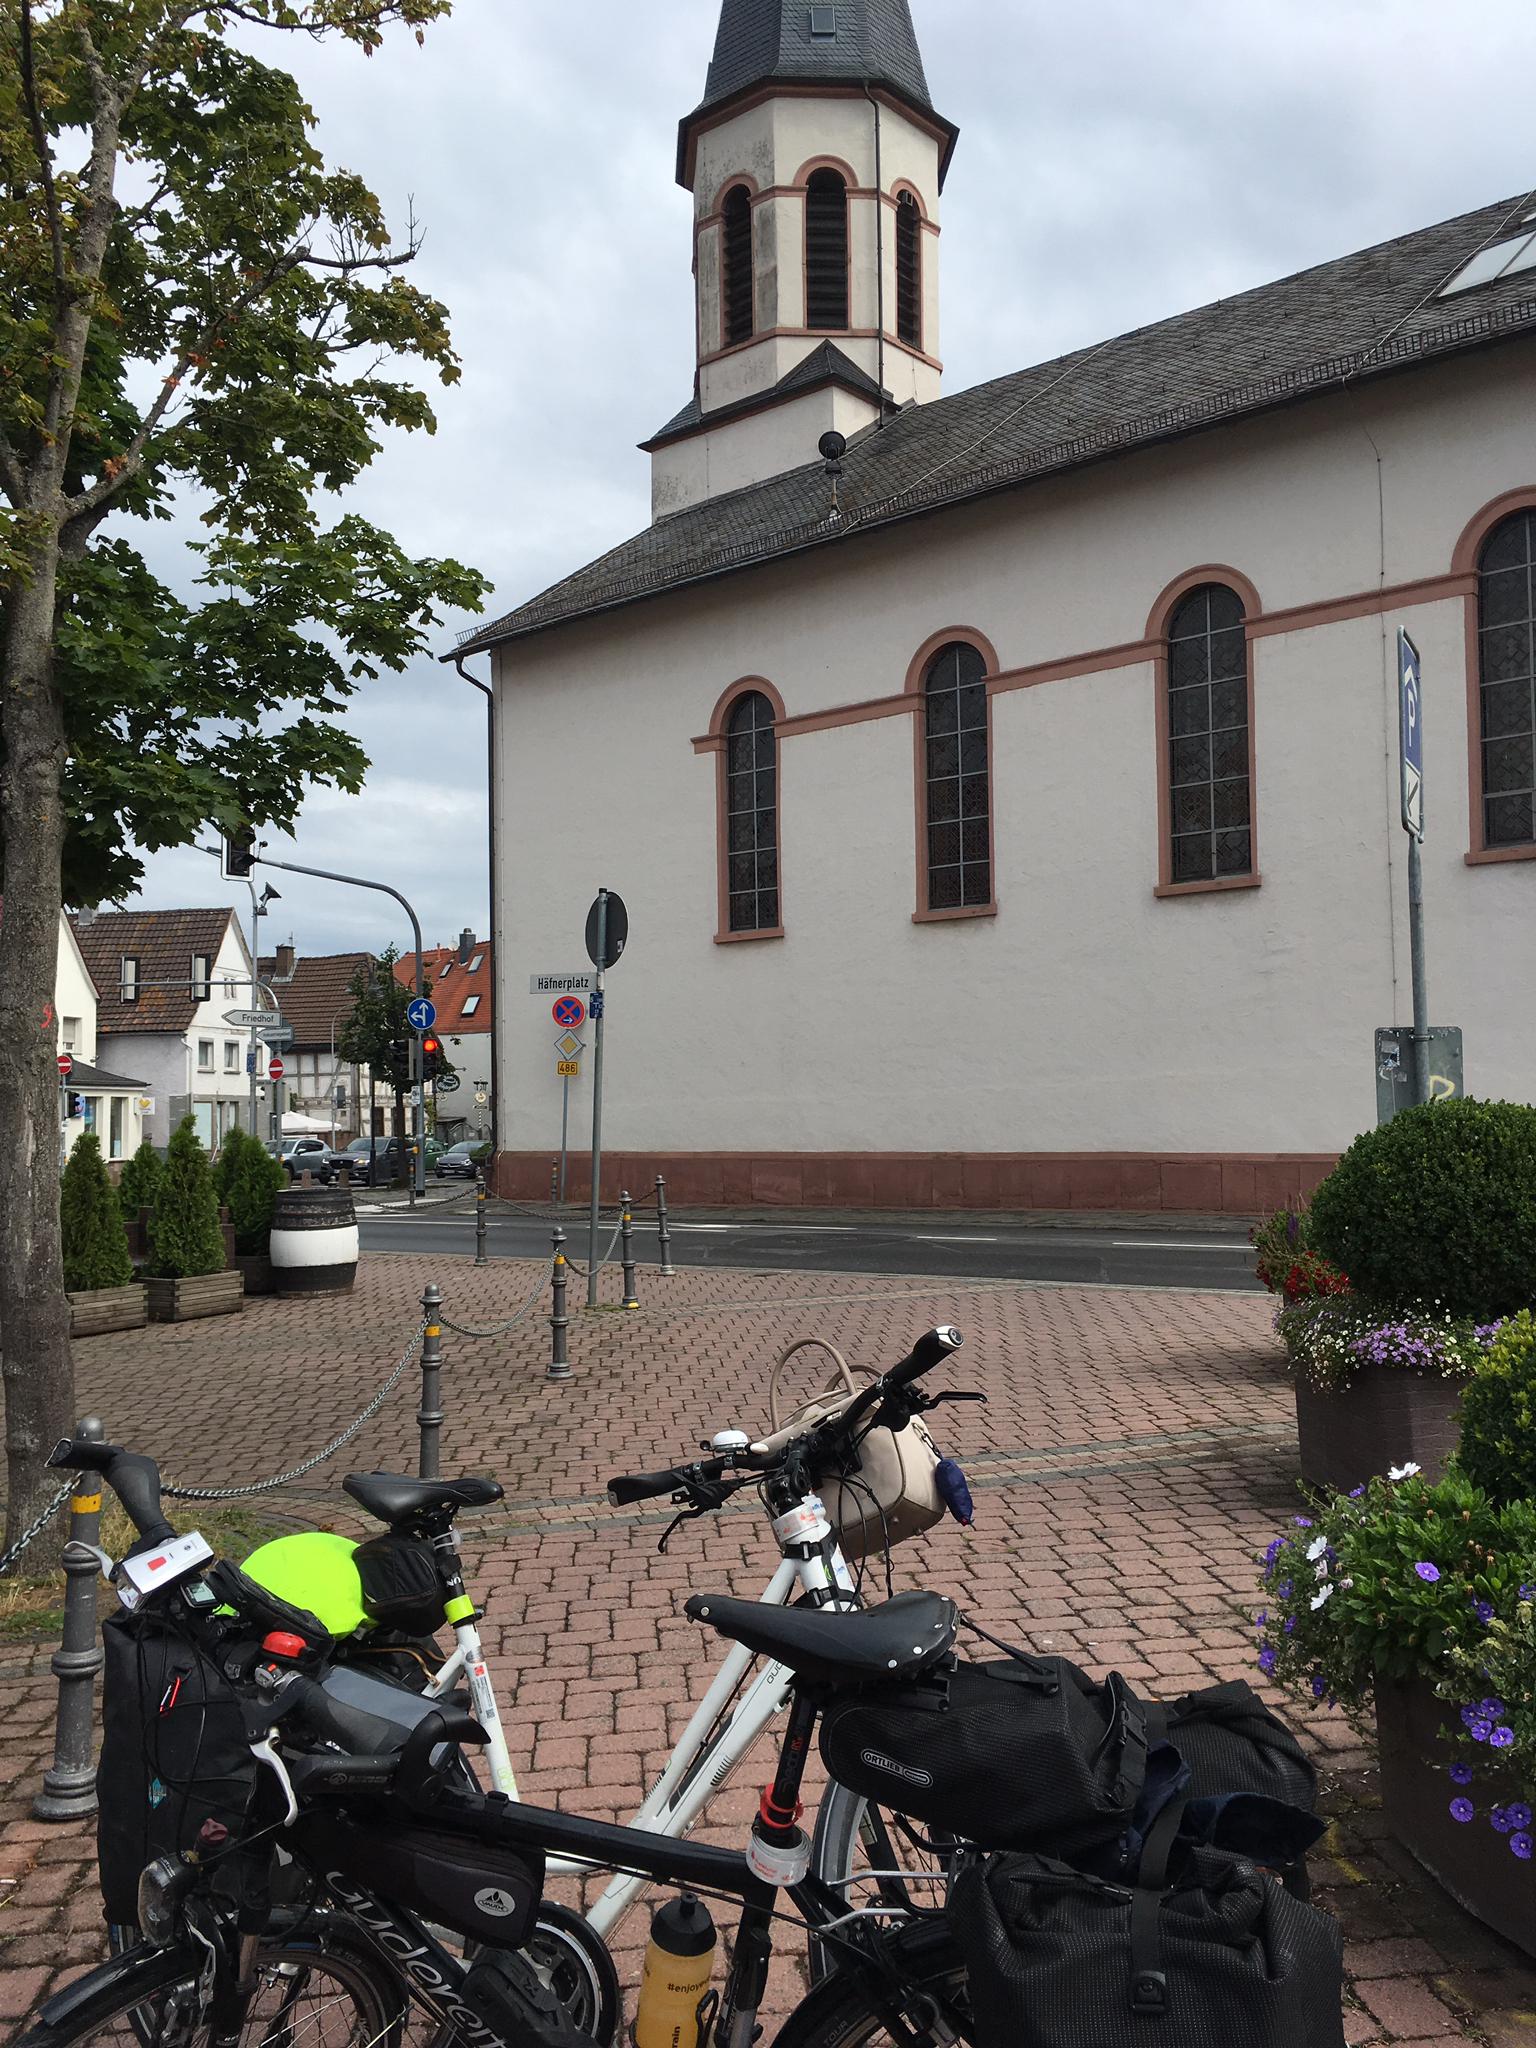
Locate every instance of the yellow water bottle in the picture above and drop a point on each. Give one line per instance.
(679, 1960)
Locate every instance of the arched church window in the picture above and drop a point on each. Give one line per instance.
(737, 213)
(1210, 816)
(826, 251)
(959, 791)
(751, 815)
(909, 272)
(1506, 674)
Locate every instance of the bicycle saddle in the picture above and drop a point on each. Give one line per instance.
(393, 1498)
(892, 1641)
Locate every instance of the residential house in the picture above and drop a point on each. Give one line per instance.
(90, 1097)
(313, 993)
(462, 980)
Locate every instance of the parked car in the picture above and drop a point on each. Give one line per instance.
(461, 1160)
(370, 1160)
(304, 1155)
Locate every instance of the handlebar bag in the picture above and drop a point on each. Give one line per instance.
(401, 1585)
(1009, 1756)
(174, 1753)
(480, 1889)
(1222, 1955)
(888, 1491)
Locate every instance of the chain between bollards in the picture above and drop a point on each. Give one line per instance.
(69, 1783)
(559, 1320)
(429, 1416)
(627, 1250)
(479, 1215)
(663, 1235)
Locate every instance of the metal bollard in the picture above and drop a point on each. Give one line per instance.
(663, 1235)
(559, 1321)
(627, 1251)
(69, 1783)
(429, 1416)
(479, 1216)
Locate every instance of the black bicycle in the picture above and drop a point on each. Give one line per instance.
(310, 1907)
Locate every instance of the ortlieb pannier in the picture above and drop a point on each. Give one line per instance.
(400, 1582)
(480, 1889)
(1010, 1755)
(1233, 1743)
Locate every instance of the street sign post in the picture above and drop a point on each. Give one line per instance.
(1411, 749)
(66, 1065)
(1394, 1068)
(607, 936)
(275, 1068)
(570, 1013)
(421, 1013)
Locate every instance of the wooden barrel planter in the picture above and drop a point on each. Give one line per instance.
(1383, 1416)
(314, 1241)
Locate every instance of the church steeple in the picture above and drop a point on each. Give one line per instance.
(816, 161)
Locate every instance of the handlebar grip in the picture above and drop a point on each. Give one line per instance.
(134, 1478)
(444, 1724)
(924, 1355)
(632, 1486)
(82, 1454)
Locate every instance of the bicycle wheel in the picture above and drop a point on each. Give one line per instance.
(308, 1995)
(865, 1853)
(837, 2014)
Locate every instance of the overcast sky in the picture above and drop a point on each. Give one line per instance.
(1117, 163)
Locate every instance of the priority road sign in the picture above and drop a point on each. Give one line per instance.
(570, 1013)
(568, 1045)
(420, 1013)
(66, 1065)
(275, 1068)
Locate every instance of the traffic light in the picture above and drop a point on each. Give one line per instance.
(431, 1056)
(240, 851)
(400, 1061)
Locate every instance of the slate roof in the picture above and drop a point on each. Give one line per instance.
(452, 985)
(1361, 316)
(163, 942)
(317, 993)
(824, 365)
(83, 1079)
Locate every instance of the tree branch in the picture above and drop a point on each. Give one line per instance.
(12, 479)
(44, 159)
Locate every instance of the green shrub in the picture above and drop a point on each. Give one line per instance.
(251, 1194)
(139, 1187)
(90, 1222)
(1438, 1206)
(1498, 1416)
(226, 1167)
(184, 1234)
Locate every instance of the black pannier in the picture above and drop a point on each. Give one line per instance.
(1233, 1743)
(1012, 1755)
(401, 1586)
(1223, 1957)
(480, 1889)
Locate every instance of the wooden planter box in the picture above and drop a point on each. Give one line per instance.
(1385, 1416)
(1470, 1860)
(100, 1309)
(205, 1294)
(255, 1269)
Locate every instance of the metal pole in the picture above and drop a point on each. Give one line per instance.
(429, 1416)
(489, 695)
(559, 1321)
(69, 1783)
(418, 1126)
(1416, 954)
(597, 1096)
(627, 1250)
(479, 1215)
(663, 1235)
(555, 1190)
(565, 1128)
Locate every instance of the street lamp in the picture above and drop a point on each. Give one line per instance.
(490, 836)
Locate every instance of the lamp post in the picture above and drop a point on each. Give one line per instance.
(490, 839)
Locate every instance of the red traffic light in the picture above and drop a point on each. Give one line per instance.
(431, 1045)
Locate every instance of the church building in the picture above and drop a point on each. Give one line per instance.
(1004, 786)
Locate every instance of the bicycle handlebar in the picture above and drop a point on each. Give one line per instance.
(134, 1478)
(633, 1486)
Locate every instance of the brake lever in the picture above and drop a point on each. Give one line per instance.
(938, 1400)
(704, 1497)
(265, 1753)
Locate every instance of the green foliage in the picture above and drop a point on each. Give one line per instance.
(184, 1234)
(377, 1014)
(139, 1187)
(227, 1165)
(1277, 1244)
(1498, 1415)
(90, 1222)
(253, 1189)
(1437, 1206)
(1328, 1337)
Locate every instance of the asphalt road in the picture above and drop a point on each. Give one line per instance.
(1123, 1251)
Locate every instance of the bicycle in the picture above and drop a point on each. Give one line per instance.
(220, 1954)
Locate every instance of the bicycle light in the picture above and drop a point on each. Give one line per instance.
(162, 1886)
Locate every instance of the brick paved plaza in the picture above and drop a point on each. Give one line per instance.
(1136, 1452)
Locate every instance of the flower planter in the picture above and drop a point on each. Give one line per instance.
(1470, 1860)
(1384, 1416)
(255, 1269)
(97, 1310)
(204, 1294)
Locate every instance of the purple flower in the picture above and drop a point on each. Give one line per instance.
(1355, 1492)
(1483, 1610)
(1274, 1550)
(1520, 1814)
(1460, 1774)
(1492, 1710)
(1499, 1819)
(1319, 1687)
(1268, 1659)
(1290, 1624)
(1501, 1738)
(1522, 1846)
(1292, 1226)
(1283, 1590)
(1462, 1810)
(1427, 1572)
(1303, 1521)
(1479, 1729)
(1528, 1592)
(1261, 1618)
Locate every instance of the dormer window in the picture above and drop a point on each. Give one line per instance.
(736, 213)
(823, 24)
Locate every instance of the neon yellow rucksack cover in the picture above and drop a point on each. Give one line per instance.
(315, 1570)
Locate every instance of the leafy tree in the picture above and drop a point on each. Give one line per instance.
(377, 1020)
(90, 1222)
(184, 1234)
(140, 1184)
(194, 308)
(252, 1192)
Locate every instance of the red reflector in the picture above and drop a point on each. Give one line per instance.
(280, 1644)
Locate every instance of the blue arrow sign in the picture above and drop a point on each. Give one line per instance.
(1412, 735)
(420, 1014)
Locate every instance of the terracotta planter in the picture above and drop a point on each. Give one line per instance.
(255, 1268)
(99, 1309)
(1470, 1860)
(204, 1294)
(1384, 1416)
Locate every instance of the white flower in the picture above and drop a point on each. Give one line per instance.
(1402, 1471)
(1320, 1571)
(1316, 1548)
(1346, 1584)
(1323, 1593)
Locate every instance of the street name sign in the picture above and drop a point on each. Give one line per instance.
(420, 1013)
(1411, 734)
(276, 1035)
(575, 983)
(252, 1020)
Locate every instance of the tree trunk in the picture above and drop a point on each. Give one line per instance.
(34, 1315)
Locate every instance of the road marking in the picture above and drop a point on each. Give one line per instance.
(1168, 1244)
(917, 1239)
(704, 1226)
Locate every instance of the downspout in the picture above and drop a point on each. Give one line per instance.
(879, 260)
(490, 830)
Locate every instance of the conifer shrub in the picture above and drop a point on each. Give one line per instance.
(91, 1223)
(184, 1234)
(251, 1193)
(140, 1184)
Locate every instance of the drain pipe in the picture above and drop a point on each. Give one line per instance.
(490, 833)
(879, 259)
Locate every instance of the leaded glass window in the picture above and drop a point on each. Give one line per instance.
(751, 815)
(1210, 800)
(959, 790)
(737, 212)
(1506, 621)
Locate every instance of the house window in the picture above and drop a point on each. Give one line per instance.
(471, 1004)
(202, 986)
(737, 233)
(118, 1128)
(128, 984)
(445, 970)
(71, 1034)
(205, 1055)
(751, 816)
(231, 1056)
(1209, 798)
(474, 965)
(909, 272)
(1506, 668)
(959, 794)
(826, 251)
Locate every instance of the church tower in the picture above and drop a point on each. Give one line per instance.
(815, 160)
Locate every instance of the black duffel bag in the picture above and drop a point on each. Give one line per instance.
(1221, 1957)
(1011, 1755)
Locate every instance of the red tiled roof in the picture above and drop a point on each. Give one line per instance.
(163, 942)
(317, 997)
(453, 985)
